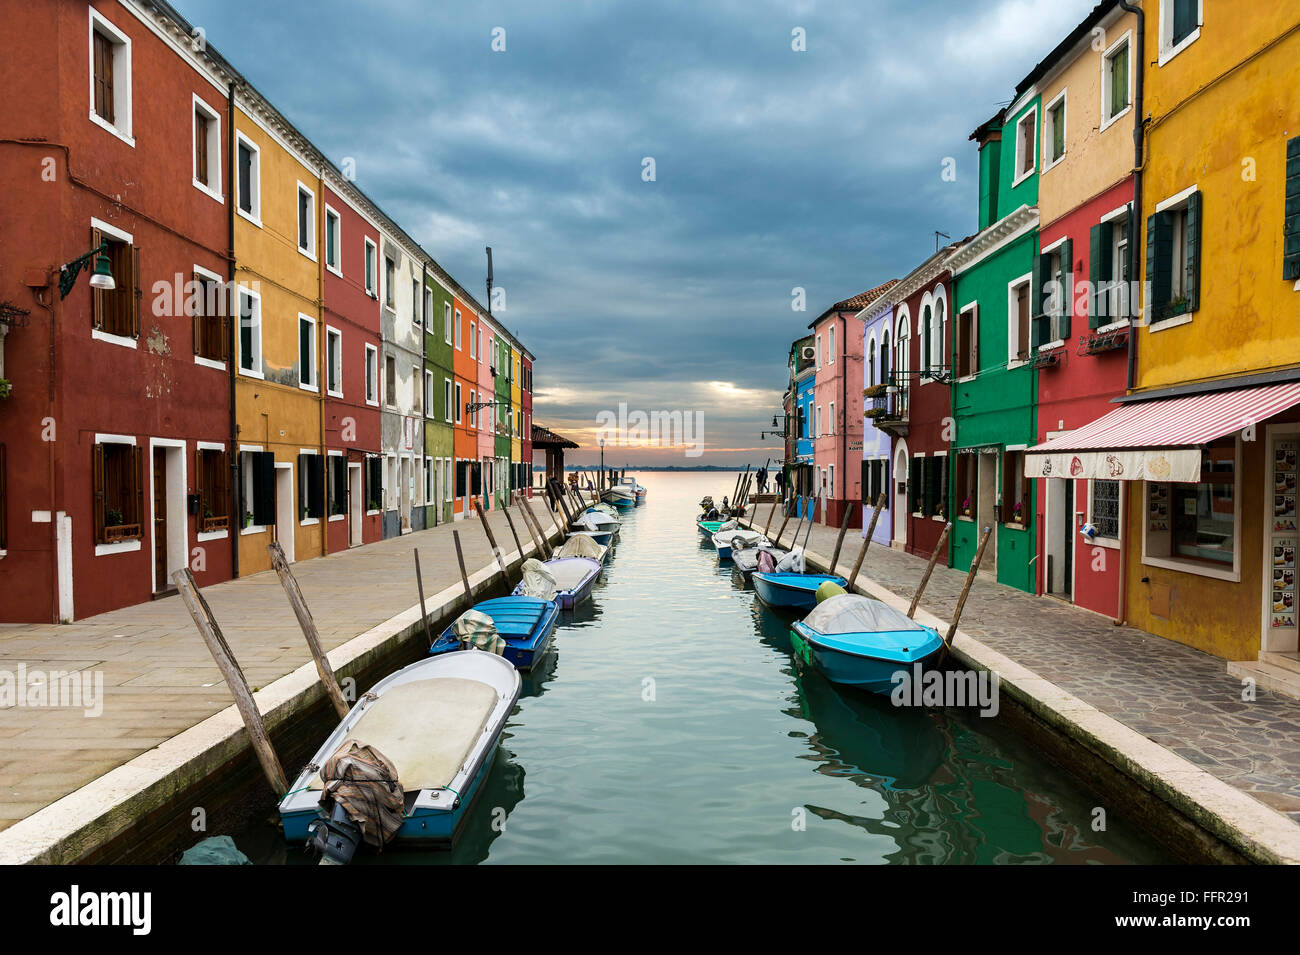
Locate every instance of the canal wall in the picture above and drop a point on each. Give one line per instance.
(1195, 814)
(148, 809)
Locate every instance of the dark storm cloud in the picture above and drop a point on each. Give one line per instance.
(775, 168)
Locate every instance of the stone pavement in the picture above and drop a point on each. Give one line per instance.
(1176, 696)
(158, 678)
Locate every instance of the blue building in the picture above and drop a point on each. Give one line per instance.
(803, 378)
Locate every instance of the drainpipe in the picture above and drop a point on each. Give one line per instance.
(236, 517)
(1135, 243)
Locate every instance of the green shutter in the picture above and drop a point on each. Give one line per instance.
(1159, 256)
(1067, 290)
(1193, 251)
(1037, 301)
(1100, 268)
(1291, 224)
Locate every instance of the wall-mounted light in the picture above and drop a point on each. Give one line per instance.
(101, 278)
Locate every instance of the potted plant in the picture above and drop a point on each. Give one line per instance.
(1178, 306)
(1018, 513)
(113, 517)
(248, 518)
(6, 387)
(965, 507)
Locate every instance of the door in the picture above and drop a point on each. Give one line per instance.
(356, 504)
(986, 510)
(284, 509)
(1058, 571)
(161, 581)
(899, 503)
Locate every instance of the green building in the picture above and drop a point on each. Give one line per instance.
(503, 361)
(993, 399)
(439, 439)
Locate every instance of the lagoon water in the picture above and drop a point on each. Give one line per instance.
(671, 725)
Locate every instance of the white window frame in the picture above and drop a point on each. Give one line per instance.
(314, 384)
(1018, 152)
(372, 361)
(125, 237)
(333, 368)
(331, 518)
(256, 299)
(1185, 566)
(215, 157)
(447, 487)
(297, 490)
(1061, 98)
(830, 428)
(1013, 320)
(459, 336)
(1167, 51)
(245, 487)
(122, 98)
(1106, 118)
(830, 345)
(1112, 542)
(199, 359)
(310, 250)
(975, 333)
(446, 400)
(335, 267)
(459, 407)
(446, 322)
(119, 547)
(428, 393)
(473, 341)
(427, 305)
(254, 215)
(818, 363)
(372, 280)
(428, 481)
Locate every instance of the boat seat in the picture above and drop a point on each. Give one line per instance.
(568, 575)
(426, 728)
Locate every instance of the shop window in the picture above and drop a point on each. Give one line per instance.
(1195, 525)
(1016, 499)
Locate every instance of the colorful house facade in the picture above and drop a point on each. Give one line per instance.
(877, 443)
(804, 363)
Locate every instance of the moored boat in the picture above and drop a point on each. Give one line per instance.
(573, 578)
(638, 492)
(582, 546)
(857, 641)
(730, 539)
(795, 591)
(438, 723)
(525, 624)
(620, 495)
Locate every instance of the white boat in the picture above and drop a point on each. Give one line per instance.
(620, 495)
(729, 539)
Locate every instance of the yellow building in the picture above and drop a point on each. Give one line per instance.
(278, 397)
(516, 417)
(1209, 432)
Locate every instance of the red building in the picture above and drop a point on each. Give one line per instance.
(526, 406)
(353, 428)
(114, 133)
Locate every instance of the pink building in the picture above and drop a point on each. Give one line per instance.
(836, 419)
(485, 418)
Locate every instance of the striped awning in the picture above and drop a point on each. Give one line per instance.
(1157, 440)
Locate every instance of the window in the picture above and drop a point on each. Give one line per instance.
(415, 301)
(929, 486)
(110, 77)
(1054, 131)
(1019, 324)
(250, 333)
(473, 347)
(307, 353)
(458, 334)
(428, 307)
(1016, 500)
(390, 271)
(1115, 95)
(473, 412)
(1291, 206)
(4, 525)
(306, 221)
(337, 494)
(446, 400)
(311, 488)
(370, 268)
(333, 240)
(481, 356)
(1180, 25)
(968, 349)
(249, 169)
(417, 391)
(830, 349)
(428, 394)
(446, 322)
(429, 472)
(458, 404)
(212, 485)
(374, 483)
(1108, 272)
(819, 351)
(1054, 301)
(830, 422)
(372, 375)
(967, 484)
(817, 422)
(118, 492)
(205, 305)
(390, 381)
(207, 148)
(446, 479)
(937, 332)
(1196, 525)
(1104, 509)
(334, 362)
(117, 312)
(257, 490)
(1026, 144)
(1173, 256)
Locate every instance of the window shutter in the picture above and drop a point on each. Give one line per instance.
(1193, 251)
(96, 296)
(264, 488)
(1067, 290)
(134, 286)
(221, 493)
(1291, 224)
(1159, 256)
(316, 486)
(137, 475)
(200, 486)
(196, 318)
(97, 505)
(1037, 302)
(1100, 269)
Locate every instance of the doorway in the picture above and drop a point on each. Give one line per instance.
(284, 509)
(901, 473)
(169, 519)
(356, 505)
(160, 581)
(1058, 535)
(986, 510)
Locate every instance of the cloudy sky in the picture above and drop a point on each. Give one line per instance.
(773, 168)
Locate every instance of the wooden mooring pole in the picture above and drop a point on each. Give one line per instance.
(965, 592)
(839, 541)
(546, 544)
(929, 569)
(866, 539)
(770, 515)
(424, 613)
(784, 521)
(464, 577)
(234, 676)
(492, 541)
(519, 499)
(299, 603)
(513, 533)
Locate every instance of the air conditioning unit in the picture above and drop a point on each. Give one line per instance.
(809, 352)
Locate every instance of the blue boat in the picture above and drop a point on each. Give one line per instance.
(439, 722)
(861, 642)
(574, 578)
(796, 591)
(524, 623)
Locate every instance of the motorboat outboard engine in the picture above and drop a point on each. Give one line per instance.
(335, 836)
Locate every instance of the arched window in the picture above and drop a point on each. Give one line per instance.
(937, 331)
(884, 357)
(871, 362)
(902, 339)
(925, 328)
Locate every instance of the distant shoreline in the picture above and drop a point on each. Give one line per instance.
(671, 467)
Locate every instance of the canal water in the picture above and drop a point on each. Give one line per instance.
(671, 725)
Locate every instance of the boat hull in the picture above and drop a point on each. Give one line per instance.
(791, 591)
(521, 650)
(861, 670)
